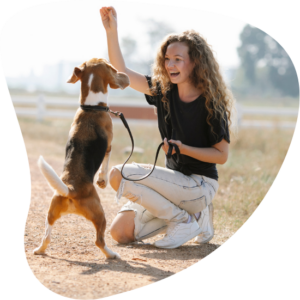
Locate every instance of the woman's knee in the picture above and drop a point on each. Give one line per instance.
(115, 178)
(122, 227)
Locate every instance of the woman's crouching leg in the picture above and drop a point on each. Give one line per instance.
(115, 178)
(135, 223)
(122, 227)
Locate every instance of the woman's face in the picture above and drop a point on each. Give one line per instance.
(178, 63)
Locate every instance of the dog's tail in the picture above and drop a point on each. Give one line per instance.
(54, 181)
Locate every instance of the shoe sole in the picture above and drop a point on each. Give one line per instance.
(205, 241)
(199, 230)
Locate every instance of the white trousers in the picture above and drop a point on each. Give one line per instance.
(165, 196)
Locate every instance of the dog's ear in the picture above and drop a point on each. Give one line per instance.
(118, 80)
(77, 73)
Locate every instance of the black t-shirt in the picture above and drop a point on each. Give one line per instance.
(190, 127)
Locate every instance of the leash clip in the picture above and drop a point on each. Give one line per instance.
(116, 113)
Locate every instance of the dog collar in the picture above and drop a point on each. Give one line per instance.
(94, 107)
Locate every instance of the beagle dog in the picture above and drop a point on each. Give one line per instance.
(88, 147)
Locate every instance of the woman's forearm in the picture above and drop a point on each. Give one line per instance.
(114, 51)
(109, 20)
(210, 155)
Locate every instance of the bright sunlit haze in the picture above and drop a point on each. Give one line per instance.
(74, 33)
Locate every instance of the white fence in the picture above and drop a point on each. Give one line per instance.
(43, 108)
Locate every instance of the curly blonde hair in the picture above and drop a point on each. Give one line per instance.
(206, 76)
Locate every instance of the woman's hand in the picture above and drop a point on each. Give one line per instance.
(109, 18)
(165, 146)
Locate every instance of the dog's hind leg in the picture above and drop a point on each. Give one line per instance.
(46, 239)
(102, 176)
(59, 204)
(100, 242)
(93, 211)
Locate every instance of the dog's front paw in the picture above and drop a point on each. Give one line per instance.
(102, 184)
(102, 181)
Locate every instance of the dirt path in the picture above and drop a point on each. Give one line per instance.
(74, 267)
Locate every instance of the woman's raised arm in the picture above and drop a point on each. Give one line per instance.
(109, 20)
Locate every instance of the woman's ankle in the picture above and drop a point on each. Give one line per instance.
(188, 220)
(197, 215)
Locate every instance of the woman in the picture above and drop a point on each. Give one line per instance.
(193, 110)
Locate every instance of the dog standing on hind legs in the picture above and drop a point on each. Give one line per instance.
(88, 147)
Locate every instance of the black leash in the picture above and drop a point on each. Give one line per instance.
(121, 116)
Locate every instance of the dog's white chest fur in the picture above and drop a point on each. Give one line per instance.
(95, 98)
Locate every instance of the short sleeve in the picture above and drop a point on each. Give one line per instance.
(220, 131)
(152, 100)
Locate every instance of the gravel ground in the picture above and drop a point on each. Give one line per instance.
(74, 267)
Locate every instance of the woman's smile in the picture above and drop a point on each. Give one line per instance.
(178, 63)
(174, 74)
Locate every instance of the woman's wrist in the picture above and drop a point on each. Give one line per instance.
(183, 148)
(209, 154)
(113, 32)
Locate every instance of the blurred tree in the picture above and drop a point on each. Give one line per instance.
(251, 50)
(265, 63)
(281, 69)
(142, 61)
(157, 30)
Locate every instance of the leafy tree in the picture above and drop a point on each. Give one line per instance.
(282, 72)
(265, 63)
(251, 51)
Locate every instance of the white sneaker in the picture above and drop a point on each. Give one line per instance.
(205, 222)
(179, 233)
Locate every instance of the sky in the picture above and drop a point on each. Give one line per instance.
(73, 31)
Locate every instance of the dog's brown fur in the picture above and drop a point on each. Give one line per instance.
(90, 131)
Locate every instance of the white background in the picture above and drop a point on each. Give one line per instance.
(47, 34)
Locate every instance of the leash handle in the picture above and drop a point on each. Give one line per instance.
(170, 150)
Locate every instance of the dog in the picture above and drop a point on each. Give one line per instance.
(88, 148)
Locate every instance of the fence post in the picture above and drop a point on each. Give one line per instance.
(41, 108)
